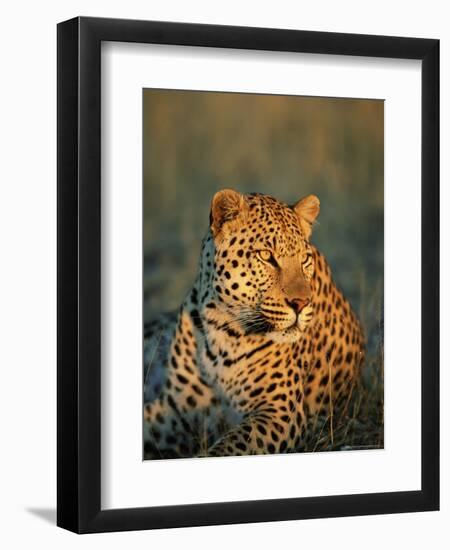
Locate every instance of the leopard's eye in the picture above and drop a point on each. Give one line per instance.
(267, 256)
(307, 264)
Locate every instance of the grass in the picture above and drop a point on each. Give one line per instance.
(360, 424)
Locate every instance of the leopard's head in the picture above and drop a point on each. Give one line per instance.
(261, 262)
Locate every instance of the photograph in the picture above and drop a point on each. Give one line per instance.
(226, 230)
(263, 246)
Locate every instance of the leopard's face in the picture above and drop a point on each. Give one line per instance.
(263, 263)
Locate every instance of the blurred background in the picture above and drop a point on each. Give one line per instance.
(196, 143)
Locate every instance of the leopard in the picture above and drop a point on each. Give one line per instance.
(263, 342)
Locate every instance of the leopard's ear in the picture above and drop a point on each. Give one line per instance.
(228, 208)
(307, 210)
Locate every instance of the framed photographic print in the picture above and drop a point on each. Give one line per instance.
(248, 308)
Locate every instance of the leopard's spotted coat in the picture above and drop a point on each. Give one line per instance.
(263, 341)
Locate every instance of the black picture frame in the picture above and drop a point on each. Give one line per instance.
(79, 280)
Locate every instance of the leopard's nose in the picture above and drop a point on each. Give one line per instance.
(298, 304)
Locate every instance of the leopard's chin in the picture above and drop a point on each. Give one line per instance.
(291, 334)
(288, 335)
